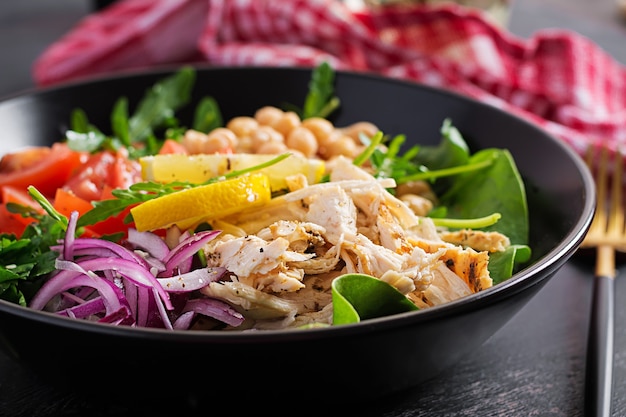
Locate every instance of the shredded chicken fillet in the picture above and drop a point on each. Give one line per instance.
(283, 256)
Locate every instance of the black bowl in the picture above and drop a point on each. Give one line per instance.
(343, 364)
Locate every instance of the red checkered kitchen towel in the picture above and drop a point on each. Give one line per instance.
(557, 79)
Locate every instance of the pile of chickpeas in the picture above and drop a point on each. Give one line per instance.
(274, 131)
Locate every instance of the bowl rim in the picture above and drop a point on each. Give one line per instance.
(531, 275)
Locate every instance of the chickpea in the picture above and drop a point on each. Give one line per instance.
(303, 140)
(220, 140)
(321, 128)
(325, 147)
(242, 125)
(268, 115)
(345, 146)
(244, 144)
(289, 121)
(353, 130)
(194, 141)
(264, 135)
(420, 188)
(273, 148)
(420, 205)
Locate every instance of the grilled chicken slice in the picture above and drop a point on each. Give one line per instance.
(478, 239)
(257, 262)
(284, 255)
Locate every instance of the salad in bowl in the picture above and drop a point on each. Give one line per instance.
(275, 220)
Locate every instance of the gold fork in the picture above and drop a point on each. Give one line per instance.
(607, 235)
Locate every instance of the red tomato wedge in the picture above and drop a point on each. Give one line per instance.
(65, 202)
(101, 171)
(9, 223)
(170, 146)
(45, 168)
(12, 222)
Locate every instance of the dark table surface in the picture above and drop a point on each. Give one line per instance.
(534, 366)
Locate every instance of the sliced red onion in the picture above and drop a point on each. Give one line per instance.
(90, 246)
(125, 278)
(149, 242)
(84, 309)
(193, 280)
(161, 307)
(128, 269)
(70, 235)
(185, 251)
(118, 317)
(112, 296)
(144, 306)
(217, 309)
(184, 321)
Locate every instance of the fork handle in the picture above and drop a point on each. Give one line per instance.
(599, 378)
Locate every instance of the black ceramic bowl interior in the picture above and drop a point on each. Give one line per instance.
(351, 363)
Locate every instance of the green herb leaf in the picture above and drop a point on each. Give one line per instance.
(320, 100)
(359, 297)
(207, 115)
(119, 121)
(502, 264)
(160, 103)
(156, 110)
(27, 260)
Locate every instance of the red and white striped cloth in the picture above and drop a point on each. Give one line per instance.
(557, 79)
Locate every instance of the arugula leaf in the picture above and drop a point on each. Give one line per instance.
(320, 100)
(83, 136)
(390, 163)
(207, 115)
(160, 103)
(155, 110)
(119, 121)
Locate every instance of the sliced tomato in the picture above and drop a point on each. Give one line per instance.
(103, 170)
(170, 146)
(9, 223)
(13, 222)
(114, 224)
(65, 202)
(45, 168)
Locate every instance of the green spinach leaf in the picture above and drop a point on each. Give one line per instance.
(359, 297)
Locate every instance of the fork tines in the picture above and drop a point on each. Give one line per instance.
(607, 228)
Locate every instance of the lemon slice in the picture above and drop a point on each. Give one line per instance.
(201, 167)
(190, 207)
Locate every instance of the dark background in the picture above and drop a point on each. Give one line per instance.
(27, 27)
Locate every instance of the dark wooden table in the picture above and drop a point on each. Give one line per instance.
(534, 366)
